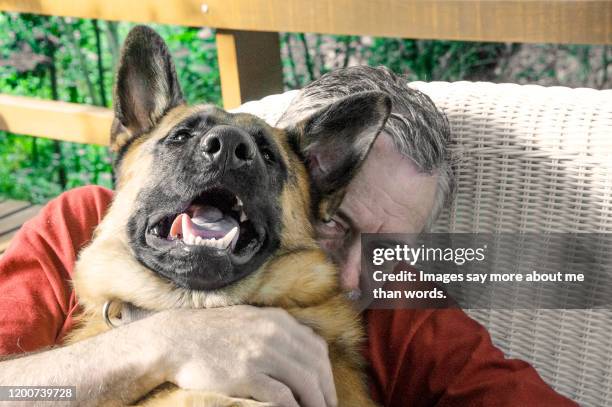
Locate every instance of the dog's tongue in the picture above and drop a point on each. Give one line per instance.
(205, 214)
(207, 222)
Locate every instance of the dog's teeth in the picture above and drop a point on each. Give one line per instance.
(198, 240)
(243, 216)
(238, 205)
(227, 240)
(210, 242)
(207, 242)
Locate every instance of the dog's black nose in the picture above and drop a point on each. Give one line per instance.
(228, 146)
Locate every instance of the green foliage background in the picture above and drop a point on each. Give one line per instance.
(74, 60)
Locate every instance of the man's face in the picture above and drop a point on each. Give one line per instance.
(388, 195)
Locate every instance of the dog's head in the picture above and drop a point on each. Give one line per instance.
(209, 196)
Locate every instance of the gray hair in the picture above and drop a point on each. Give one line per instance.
(419, 130)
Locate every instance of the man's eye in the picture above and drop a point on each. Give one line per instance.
(332, 228)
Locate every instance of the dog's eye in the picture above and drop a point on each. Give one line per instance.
(178, 137)
(267, 155)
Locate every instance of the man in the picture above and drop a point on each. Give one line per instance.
(404, 197)
(421, 358)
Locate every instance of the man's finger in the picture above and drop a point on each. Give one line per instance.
(314, 358)
(307, 350)
(269, 390)
(304, 382)
(326, 379)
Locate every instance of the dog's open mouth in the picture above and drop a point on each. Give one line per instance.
(217, 219)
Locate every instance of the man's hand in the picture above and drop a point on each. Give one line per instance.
(249, 352)
(239, 351)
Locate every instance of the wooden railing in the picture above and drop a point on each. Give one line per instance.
(248, 44)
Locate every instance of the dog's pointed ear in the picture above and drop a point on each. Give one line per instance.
(335, 141)
(146, 85)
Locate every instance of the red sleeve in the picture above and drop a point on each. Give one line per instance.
(36, 298)
(444, 358)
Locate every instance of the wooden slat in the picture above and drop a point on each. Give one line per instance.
(558, 21)
(249, 66)
(10, 225)
(56, 120)
(10, 206)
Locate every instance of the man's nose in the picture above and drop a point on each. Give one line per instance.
(228, 147)
(351, 267)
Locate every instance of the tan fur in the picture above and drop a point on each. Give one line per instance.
(298, 278)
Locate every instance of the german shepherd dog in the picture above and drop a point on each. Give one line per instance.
(214, 209)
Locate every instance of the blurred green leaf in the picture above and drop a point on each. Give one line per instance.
(30, 167)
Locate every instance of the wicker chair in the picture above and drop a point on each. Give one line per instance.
(536, 159)
(530, 159)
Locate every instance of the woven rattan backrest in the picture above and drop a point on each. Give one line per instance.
(536, 159)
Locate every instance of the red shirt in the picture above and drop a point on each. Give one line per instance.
(416, 357)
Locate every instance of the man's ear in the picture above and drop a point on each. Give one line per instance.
(146, 86)
(335, 141)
